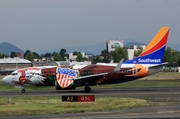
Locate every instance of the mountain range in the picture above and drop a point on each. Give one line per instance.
(7, 48)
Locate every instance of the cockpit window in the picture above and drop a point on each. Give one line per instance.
(14, 73)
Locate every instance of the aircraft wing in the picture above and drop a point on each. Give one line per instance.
(89, 78)
(93, 78)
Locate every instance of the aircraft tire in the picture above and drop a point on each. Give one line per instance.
(87, 89)
(23, 91)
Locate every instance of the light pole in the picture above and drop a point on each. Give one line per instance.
(173, 66)
(2, 68)
(16, 63)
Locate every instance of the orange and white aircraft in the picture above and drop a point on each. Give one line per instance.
(147, 63)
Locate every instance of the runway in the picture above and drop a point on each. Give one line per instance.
(157, 94)
(148, 92)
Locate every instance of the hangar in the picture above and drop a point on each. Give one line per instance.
(7, 65)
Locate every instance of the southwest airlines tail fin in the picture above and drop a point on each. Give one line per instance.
(154, 52)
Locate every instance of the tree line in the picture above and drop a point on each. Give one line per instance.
(172, 56)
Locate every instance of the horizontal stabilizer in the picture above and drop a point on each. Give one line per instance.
(155, 66)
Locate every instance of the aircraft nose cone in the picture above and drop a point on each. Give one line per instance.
(5, 79)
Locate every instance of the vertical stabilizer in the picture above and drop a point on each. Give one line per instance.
(154, 52)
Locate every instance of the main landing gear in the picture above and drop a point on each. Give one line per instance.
(87, 89)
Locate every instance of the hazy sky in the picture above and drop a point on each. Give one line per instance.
(46, 24)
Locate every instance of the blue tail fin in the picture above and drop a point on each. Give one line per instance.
(154, 52)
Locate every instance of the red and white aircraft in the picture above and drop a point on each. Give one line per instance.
(147, 63)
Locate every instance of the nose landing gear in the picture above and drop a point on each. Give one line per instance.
(23, 90)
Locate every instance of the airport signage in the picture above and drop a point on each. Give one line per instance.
(78, 98)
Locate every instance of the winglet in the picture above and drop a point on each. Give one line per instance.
(118, 67)
(111, 61)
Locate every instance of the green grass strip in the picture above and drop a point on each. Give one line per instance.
(20, 106)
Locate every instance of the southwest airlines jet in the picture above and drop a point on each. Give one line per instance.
(66, 78)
